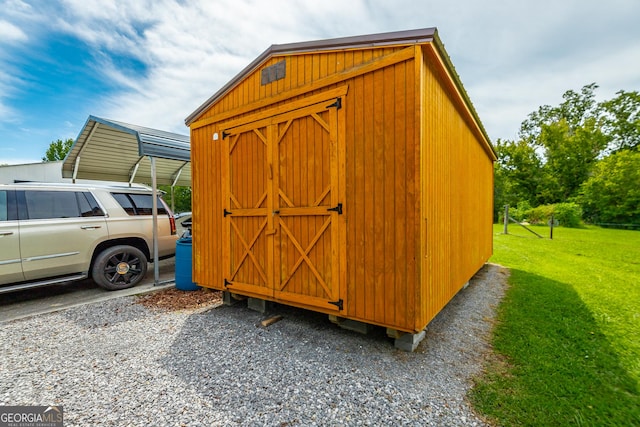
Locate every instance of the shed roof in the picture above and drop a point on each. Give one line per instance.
(411, 36)
(424, 35)
(115, 151)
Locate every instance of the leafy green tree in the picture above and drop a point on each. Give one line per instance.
(612, 193)
(569, 139)
(517, 174)
(181, 197)
(57, 150)
(561, 156)
(575, 108)
(622, 121)
(570, 155)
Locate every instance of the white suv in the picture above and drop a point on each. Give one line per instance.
(53, 233)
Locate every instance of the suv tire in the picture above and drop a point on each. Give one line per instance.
(119, 267)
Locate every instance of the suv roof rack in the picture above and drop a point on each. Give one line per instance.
(104, 185)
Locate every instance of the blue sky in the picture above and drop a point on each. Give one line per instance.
(152, 63)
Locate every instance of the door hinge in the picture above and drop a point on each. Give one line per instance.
(337, 104)
(227, 283)
(226, 212)
(337, 304)
(336, 209)
(225, 134)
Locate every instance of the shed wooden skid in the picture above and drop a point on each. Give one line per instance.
(348, 176)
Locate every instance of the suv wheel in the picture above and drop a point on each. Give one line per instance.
(119, 267)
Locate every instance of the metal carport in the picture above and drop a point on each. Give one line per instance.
(108, 150)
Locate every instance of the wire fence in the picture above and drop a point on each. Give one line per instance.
(615, 225)
(554, 223)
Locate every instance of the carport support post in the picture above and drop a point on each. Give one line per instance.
(173, 204)
(156, 268)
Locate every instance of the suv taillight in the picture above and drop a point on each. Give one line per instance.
(172, 220)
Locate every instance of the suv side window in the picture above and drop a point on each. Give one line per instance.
(51, 204)
(60, 204)
(8, 206)
(4, 206)
(125, 202)
(138, 204)
(88, 205)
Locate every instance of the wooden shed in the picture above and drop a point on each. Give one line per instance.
(348, 176)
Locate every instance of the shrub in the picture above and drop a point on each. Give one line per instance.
(540, 214)
(567, 214)
(520, 213)
(612, 193)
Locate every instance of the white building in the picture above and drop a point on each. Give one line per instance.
(38, 172)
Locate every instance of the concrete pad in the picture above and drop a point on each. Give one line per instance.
(409, 342)
(351, 325)
(259, 305)
(229, 298)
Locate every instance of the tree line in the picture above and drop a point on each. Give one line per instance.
(579, 159)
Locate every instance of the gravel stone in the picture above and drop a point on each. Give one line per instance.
(118, 363)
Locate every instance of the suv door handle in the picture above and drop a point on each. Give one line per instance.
(6, 233)
(90, 227)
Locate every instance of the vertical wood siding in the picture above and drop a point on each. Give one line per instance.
(310, 163)
(248, 189)
(301, 70)
(207, 207)
(417, 184)
(380, 196)
(457, 191)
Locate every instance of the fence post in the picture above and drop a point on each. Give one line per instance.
(551, 227)
(506, 219)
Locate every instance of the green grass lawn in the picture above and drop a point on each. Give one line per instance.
(567, 337)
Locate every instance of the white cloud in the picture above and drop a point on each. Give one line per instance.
(9, 33)
(503, 103)
(17, 9)
(191, 49)
(511, 56)
(15, 31)
(7, 114)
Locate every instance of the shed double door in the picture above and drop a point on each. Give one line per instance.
(283, 206)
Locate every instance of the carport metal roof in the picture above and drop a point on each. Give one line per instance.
(108, 150)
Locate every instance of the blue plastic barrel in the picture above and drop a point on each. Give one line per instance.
(184, 280)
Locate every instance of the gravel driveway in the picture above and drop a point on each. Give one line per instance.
(118, 363)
